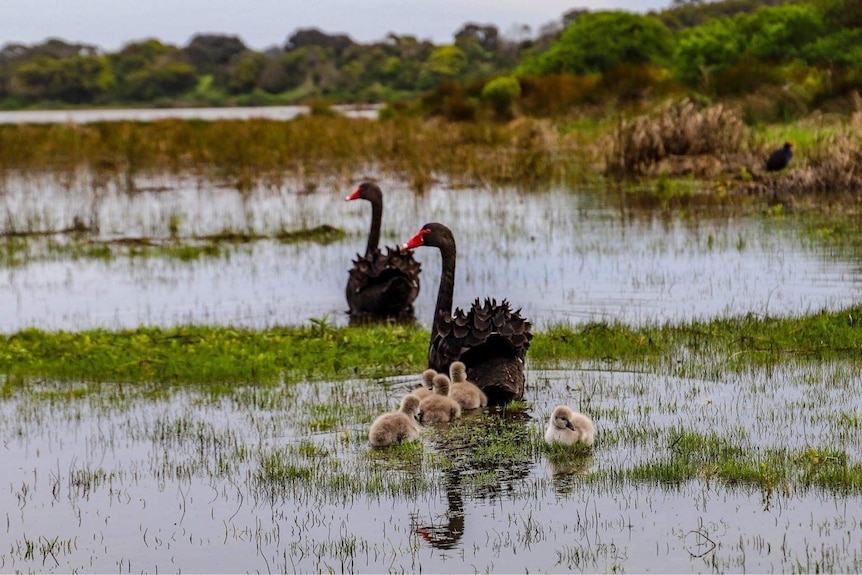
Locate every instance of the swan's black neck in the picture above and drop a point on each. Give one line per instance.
(447, 285)
(374, 232)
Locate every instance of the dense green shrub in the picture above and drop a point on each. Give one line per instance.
(501, 93)
(599, 41)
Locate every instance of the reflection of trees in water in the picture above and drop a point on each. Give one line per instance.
(483, 454)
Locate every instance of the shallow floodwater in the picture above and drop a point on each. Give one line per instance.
(136, 479)
(151, 478)
(152, 114)
(562, 256)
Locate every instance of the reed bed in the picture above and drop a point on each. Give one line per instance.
(831, 165)
(713, 144)
(247, 153)
(681, 136)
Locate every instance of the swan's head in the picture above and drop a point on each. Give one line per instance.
(428, 378)
(458, 371)
(432, 234)
(410, 405)
(365, 191)
(416, 241)
(561, 418)
(441, 384)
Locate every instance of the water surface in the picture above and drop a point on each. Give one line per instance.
(563, 256)
(153, 114)
(138, 479)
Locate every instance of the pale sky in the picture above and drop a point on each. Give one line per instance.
(109, 24)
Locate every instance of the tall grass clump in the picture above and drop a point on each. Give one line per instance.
(681, 136)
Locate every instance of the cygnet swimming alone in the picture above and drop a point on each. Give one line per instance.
(570, 428)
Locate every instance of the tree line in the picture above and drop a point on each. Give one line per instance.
(784, 57)
(214, 69)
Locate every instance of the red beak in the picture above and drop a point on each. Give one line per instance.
(415, 241)
(353, 196)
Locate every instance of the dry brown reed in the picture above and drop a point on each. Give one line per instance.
(680, 137)
(831, 165)
(248, 153)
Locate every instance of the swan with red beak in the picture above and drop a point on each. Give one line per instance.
(490, 339)
(380, 285)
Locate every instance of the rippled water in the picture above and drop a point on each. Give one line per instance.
(150, 478)
(139, 480)
(562, 255)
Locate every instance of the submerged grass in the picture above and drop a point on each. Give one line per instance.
(480, 454)
(690, 455)
(27, 248)
(484, 487)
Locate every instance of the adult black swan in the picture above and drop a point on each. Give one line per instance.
(491, 339)
(381, 285)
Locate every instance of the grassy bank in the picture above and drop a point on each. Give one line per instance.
(211, 355)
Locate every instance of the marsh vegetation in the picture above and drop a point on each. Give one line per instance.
(181, 475)
(181, 389)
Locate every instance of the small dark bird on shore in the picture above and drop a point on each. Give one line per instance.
(779, 158)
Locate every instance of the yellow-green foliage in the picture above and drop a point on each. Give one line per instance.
(214, 355)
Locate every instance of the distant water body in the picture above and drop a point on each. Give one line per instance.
(153, 114)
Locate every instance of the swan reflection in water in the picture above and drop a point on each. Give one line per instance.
(447, 531)
(461, 442)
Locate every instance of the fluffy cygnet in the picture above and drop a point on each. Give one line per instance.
(570, 428)
(439, 407)
(397, 426)
(466, 393)
(427, 387)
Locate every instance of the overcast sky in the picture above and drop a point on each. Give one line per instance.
(263, 23)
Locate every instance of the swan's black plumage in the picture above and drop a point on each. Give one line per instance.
(381, 285)
(491, 339)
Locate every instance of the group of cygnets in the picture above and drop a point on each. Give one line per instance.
(442, 398)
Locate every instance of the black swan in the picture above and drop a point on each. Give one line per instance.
(381, 285)
(779, 158)
(492, 340)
